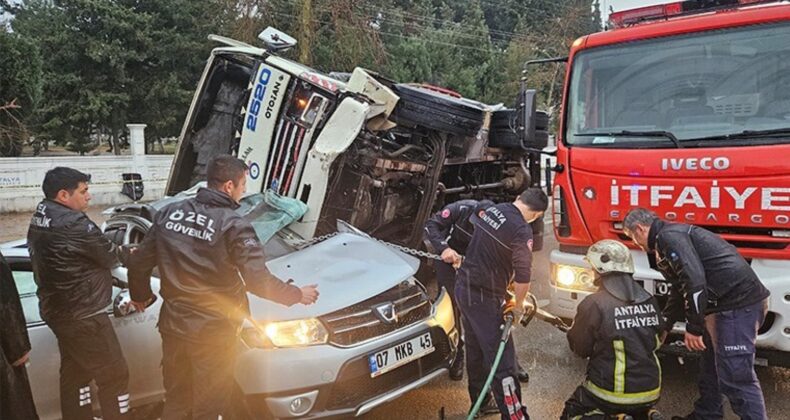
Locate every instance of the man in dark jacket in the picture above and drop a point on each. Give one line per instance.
(500, 250)
(723, 302)
(209, 258)
(16, 400)
(617, 326)
(71, 264)
(449, 232)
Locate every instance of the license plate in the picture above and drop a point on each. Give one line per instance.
(398, 355)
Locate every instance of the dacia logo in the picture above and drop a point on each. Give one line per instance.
(387, 313)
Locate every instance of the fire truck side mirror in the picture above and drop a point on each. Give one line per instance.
(526, 115)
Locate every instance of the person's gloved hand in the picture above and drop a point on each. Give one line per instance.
(509, 307)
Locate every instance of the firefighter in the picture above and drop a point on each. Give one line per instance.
(723, 302)
(71, 264)
(618, 325)
(449, 232)
(500, 248)
(208, 258)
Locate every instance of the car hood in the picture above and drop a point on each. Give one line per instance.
(347, 268)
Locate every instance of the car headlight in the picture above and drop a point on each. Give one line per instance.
(573, 278)
(297, 333)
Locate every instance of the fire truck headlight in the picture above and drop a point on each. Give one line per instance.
(298, 333)
(573, 278)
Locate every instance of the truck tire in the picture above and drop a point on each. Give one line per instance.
(420, 107)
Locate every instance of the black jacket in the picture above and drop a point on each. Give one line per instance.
(706, 272)
(208, 258)
(16, 400)
(618, 328)
(451, 227)
(71, 263)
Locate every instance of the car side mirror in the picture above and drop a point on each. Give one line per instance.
(121, 305)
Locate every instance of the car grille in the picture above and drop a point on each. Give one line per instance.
(362, 321)
(286, 158)
(354, 386)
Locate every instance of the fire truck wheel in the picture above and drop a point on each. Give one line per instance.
(420, 107)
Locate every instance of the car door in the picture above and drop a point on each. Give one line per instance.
(136, 332)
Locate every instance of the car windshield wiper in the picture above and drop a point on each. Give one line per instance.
(626, 133)
(746, 134)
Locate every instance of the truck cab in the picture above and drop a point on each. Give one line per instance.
(356, 147)
(683, 108)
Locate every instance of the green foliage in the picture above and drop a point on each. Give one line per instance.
(111, 62)
(20, 90)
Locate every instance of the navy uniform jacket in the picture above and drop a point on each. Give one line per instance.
(501, 248)
(452, 226)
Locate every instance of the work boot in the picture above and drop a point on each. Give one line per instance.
(457, 368)
(523, 375)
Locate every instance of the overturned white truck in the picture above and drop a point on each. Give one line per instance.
(356, 147)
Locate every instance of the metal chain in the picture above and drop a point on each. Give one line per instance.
(411, 251)
(308, 242)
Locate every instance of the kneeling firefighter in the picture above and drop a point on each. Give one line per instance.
(618, 326)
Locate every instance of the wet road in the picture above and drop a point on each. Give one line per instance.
(555, 371)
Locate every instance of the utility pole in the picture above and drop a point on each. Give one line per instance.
(306, 42)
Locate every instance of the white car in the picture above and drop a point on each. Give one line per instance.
(374, 334)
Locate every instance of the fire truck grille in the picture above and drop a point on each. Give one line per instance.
(286, 157)
(396, 308)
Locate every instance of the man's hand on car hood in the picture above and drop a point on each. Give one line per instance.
(309, 294)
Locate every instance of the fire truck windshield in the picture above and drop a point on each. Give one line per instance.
(703, 88)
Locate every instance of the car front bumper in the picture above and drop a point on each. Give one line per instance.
(329, 381)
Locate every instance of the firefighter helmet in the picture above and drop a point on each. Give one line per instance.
(609, 255)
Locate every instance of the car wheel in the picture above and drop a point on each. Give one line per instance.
(125, 229)
(422, 107)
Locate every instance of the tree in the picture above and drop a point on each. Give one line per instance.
(20, 91)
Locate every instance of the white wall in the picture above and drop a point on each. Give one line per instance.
(20, 178)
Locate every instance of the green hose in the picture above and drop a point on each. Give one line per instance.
(500, 351)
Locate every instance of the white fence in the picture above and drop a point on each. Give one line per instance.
(20, 178)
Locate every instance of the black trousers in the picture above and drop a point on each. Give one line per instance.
(445, 276)
(482, 317)
(198, 377)
(89, 350)
(583, 405)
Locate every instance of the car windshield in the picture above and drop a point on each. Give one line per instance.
(268, 212)
(727, 86)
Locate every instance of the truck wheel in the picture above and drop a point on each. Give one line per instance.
(421, 107)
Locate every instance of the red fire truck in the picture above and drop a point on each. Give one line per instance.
(683, 108)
